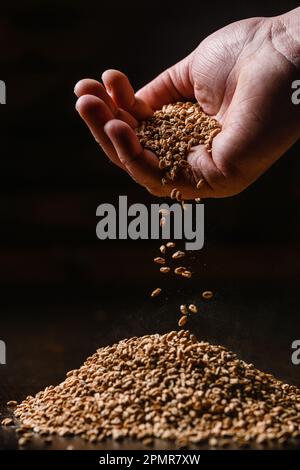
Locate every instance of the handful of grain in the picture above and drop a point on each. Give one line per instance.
(171, 133)
(165, 386)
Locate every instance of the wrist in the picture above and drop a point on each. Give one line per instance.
(285, 35)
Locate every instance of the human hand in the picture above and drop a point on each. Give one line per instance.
(242, 75)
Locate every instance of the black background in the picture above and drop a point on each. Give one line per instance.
(64, 292)
(53, 175)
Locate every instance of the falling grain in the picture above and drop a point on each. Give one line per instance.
(165, 269)
(156, 292)
(193, 308)
(182, 321)
(207, 295)
(183, 309)
(186, 274)
(178, 254)
(179, 270)
(170, 245)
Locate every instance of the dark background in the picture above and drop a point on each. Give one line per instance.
(64, 292)
(53, 175)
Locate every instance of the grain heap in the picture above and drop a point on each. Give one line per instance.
(165, 386)
(171, 133)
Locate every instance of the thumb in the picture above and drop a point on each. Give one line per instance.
(174, 84)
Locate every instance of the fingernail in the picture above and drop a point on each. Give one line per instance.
(76, 106)
(75, 89)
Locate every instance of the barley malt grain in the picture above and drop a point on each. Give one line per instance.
(165, 269)
(156, 292)
(207, 295)
(12, 403)
(182, 321)
(169, 387)
(171, 133)
(178, 254)
(193, 308)
(170, 245)
(183, 309)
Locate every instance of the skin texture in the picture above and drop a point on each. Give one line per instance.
(241, 74)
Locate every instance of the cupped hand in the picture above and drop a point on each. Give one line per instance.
(242, 75)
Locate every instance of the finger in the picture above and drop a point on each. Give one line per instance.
(141, 164)
(208, 180)
(118, 85)
(88, 86)
(96, 114)
(172, 85)
(127, 117)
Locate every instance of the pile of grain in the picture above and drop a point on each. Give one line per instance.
(165, 386)
(171, 133)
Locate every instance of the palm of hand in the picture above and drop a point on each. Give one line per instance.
(236, 74)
